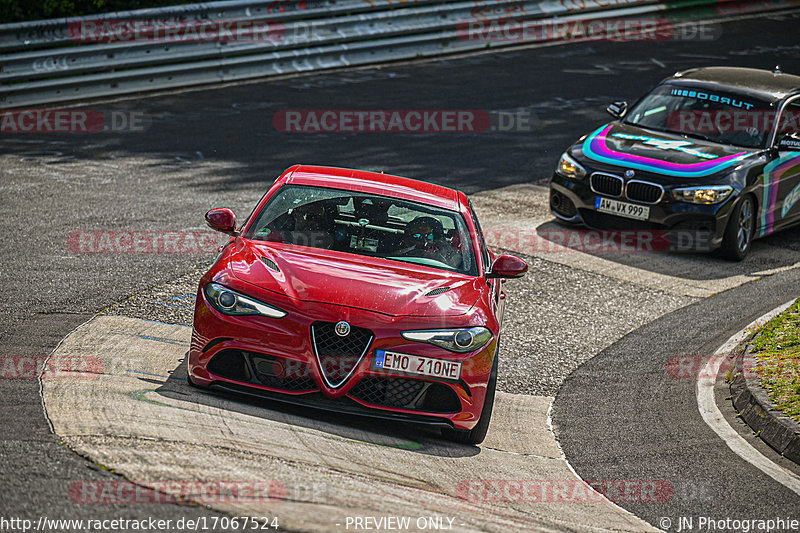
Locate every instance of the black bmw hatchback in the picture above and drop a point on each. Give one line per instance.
(710, 155)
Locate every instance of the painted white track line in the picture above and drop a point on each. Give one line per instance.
(713, 417)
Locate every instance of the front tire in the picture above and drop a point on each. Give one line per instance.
(738, 236)
(477, 434)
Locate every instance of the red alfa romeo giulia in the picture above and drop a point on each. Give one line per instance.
(356, 292)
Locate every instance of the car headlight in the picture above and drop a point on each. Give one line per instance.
(231, 302)
(460, 340)
(569, 168)
(713, 194)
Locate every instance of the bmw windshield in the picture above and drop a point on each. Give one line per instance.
(716, 116)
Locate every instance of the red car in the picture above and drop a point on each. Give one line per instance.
(356, 292)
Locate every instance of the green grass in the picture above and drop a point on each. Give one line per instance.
(777, 351)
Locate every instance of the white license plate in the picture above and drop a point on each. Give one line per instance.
(623, 209)
(416, 364)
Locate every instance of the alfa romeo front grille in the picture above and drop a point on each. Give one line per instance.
(338, 356)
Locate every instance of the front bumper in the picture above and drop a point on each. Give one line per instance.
(275, 358)
(683, 225)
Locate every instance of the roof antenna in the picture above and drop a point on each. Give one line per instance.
(777, 70)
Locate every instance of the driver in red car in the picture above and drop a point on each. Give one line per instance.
(424, 237)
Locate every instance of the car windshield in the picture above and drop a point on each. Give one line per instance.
(366, 224)
(716, 116)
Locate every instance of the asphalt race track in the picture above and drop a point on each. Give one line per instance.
(585, 345)
(644, 423)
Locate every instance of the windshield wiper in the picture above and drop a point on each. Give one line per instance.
(701, 136)
(647, 127)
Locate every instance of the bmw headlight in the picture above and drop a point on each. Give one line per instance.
(569, 168)
(460, 340)
(231, 302)
(712, 194)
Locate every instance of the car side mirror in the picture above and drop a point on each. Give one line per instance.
(222, 219)
(508, 266)
(617, 109)
(789, 143)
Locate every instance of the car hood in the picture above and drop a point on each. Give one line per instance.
(380, 285)
(640, 149)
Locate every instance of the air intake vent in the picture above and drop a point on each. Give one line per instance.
(284, 374)
(438, 291)
(562, 205)
(404, 393)
(272, 265)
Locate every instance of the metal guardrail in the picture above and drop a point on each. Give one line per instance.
(54, 32)
(49, 61)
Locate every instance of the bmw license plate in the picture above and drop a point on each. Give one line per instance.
(622, 209)
(416, 364)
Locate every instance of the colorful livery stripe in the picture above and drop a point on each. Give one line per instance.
(595, 147)
(773, 173)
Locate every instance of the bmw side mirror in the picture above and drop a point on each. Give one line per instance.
(222, 219)
(617, 109)
(789, 143)
(508, 266)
